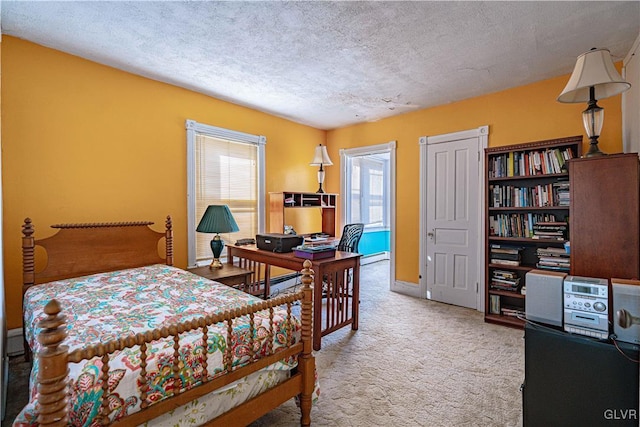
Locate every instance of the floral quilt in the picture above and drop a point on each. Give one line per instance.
(110, 305)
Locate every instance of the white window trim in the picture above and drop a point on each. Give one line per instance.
(193, 128)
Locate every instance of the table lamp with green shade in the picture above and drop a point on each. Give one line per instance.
(217, 219)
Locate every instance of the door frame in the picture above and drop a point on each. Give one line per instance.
(482, 134)
(390, 148)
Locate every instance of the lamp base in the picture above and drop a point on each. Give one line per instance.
(217, 244)
(216, 264)
(594, 151)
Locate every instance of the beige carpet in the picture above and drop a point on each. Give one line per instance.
(414, 362)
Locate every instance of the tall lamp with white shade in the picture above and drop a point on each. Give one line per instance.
(321, 158)
(594, 77)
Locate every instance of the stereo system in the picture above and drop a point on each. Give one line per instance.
(586, 306)
(582, 305)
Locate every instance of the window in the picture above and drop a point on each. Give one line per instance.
(223, 167)
(368, 194)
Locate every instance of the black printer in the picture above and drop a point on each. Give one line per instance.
(275, 242)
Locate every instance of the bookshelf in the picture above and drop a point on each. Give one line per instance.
(527, 190)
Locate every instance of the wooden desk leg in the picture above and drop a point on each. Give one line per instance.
(267, 281)
(356, 295)
(317, 307)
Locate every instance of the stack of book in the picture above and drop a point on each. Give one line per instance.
(316, 246)
(553, 259)
(556, 230)
(561, 193)
(514, 312)
(505, 254)
(505, 281)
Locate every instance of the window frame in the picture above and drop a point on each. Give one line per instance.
(366, 167)
(194, 128)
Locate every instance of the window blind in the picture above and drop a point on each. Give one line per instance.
(226, 174)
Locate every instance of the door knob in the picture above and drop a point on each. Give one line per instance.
(431, 234)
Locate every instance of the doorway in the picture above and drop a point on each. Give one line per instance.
(451, 217)
(368, 191)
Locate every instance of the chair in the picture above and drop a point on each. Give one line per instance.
(351, 234)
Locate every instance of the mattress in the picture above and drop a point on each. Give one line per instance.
(111, 305)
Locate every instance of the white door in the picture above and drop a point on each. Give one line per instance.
(452, 222)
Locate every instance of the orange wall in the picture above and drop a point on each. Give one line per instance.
(522, 114)
(83, 142)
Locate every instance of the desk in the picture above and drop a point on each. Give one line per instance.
(340, 304)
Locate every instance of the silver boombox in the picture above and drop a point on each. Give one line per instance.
(586, 306)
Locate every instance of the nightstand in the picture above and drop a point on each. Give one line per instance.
(229, 275)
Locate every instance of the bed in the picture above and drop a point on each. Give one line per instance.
(121, 337)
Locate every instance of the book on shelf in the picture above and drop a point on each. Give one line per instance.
(505, 261)
(541, 195)
(505, 280)
(519, 225)
(554, 268)
(505, 286)
(506, 249)
(531, 162)
(552, 258)
(550, 230)
(494, 304)
(505, 274)
(552, 251)
(514, 312)
(505, 254)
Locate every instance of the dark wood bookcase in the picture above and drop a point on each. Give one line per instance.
(605, 216)
(527, 190)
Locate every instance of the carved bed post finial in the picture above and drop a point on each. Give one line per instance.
(306, 362)
(52, 373)
(28, 263)
(169, 240)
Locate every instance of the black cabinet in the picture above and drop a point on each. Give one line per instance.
(572, 380)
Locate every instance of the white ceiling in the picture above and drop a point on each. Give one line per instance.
(331, 64)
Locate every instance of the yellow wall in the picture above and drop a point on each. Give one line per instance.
(83, 142)
(522, 114)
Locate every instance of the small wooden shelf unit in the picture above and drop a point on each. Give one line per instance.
(278, 202)
(521, 187)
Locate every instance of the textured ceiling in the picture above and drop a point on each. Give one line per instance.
(331, 64)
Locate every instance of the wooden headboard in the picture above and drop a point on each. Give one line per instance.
(82, 249)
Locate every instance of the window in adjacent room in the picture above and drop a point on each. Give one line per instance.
(368, 191)
(224, 167)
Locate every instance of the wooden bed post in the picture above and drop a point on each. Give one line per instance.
(28, 257)
(53, 371)
(28, 272)
(169, 240)
(306, 362)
